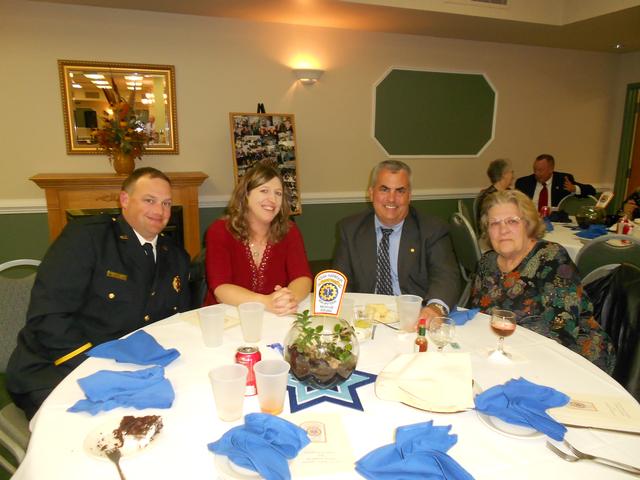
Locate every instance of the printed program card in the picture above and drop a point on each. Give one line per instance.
(609, 413)
(329, 452)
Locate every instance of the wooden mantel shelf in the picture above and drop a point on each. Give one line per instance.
(71, 191)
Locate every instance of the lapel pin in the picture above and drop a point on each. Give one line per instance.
(176, 283)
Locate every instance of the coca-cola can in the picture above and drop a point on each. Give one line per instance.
(624, 227)
(545, 211)
(249, 356)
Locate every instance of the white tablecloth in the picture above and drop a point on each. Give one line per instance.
(56, 449)
(564, 235)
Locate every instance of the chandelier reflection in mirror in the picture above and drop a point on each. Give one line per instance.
(84, 102)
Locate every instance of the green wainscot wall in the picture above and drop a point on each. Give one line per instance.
(27, 235)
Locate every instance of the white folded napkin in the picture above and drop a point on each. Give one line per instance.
(437, 382)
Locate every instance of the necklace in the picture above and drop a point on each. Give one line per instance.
(257, 249)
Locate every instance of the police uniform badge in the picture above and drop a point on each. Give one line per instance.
(176, 283)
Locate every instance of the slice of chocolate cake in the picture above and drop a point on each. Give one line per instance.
(135, 433)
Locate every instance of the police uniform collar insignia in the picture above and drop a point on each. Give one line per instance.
(176, 283)
(124, 237)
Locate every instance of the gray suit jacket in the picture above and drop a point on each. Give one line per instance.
(427, 265)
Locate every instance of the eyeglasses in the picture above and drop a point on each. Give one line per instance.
(509, 222)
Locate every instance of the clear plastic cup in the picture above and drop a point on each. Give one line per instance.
(251, 314)
(271, 381)
(229, 383)
(409, 307)
(212, 324)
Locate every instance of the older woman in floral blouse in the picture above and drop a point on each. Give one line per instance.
(535, 279)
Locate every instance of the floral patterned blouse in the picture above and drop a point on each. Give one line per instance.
(545, 284)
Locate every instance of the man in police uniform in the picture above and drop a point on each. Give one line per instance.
(102, 278)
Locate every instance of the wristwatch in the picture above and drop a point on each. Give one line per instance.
(441, 310)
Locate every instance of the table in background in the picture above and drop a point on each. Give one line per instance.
(56, 449)
(565, 235)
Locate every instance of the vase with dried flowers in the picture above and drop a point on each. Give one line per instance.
(122, 135)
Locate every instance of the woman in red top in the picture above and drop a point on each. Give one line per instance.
(255, 253)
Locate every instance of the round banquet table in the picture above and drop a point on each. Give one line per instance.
(56, 449)
(565, 235)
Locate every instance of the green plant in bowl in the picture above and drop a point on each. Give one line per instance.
(322, 350)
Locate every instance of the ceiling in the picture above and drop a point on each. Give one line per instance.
(601, 31)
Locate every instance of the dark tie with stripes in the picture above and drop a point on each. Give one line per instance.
(383, 266)
(151, 261)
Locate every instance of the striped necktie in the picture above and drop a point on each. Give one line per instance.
(383, 265)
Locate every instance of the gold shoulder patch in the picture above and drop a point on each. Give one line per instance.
(116, 275)
(176, 283)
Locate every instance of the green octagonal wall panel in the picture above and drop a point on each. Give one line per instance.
(423, 113)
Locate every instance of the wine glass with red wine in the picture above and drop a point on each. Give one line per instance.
(503, 324)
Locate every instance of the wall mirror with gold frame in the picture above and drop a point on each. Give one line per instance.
(84, 102)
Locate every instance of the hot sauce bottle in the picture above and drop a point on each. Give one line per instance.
(421, 344)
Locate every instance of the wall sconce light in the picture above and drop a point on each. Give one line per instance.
(307, 76)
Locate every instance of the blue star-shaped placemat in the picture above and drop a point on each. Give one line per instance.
(302, 396)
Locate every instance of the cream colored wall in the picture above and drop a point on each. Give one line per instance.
(549, 100)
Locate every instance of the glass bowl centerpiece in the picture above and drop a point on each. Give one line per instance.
(322, 350)
(589, 215)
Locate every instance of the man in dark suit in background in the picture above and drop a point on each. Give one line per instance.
(102, 278)
(417, 248)
(547, 187)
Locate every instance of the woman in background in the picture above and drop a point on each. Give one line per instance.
(255, 253)
(500, 175)
(535, 279)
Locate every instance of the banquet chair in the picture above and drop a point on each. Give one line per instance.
(464, 210)
(607, 250)
(465, 246)
(616, 306)
(14, 298)
(198, 280)
(476, 214)
(572, 203)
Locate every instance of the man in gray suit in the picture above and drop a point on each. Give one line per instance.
(420, 255)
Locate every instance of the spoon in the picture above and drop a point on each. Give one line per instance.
(114, 455)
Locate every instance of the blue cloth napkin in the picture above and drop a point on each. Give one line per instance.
(263, 444)
(139, 348)
(524, 403)
(593, 231)
(463, 316)
(106, 390)
(418, 453)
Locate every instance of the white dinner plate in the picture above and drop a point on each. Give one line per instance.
(230, 471)
(508, 429)
(500, 426)
(101, 439)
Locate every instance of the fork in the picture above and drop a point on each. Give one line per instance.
(114, 455)
(605, 461)
(602, 461)
(386, 324)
